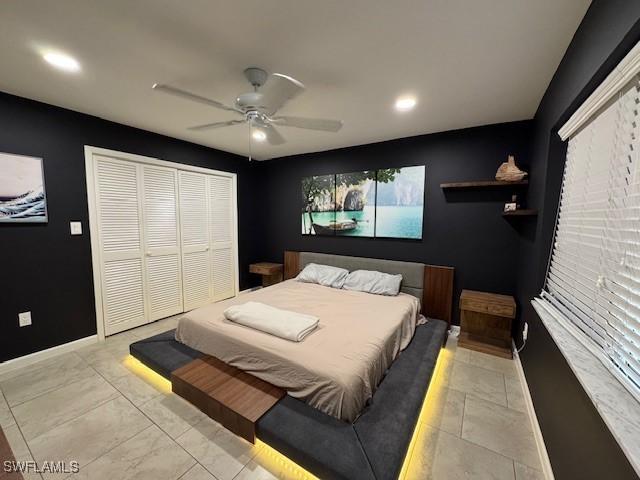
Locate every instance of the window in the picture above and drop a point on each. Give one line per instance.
(593, 278)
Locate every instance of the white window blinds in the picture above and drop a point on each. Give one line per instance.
(593, 280)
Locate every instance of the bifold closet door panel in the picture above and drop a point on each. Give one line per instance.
(221, 219)
(118, 203)
(161, 238)
(196, 263)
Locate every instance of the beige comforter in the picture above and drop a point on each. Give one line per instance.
(337, 367)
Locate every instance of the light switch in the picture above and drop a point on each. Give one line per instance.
(24, 319)
(76, 228)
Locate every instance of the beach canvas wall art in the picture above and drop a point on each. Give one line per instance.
(387, 202)
(356, 203)
(400, 203)
(22, 194)
(319, 205)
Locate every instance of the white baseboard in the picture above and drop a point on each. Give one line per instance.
(35, 357)
(535, 426)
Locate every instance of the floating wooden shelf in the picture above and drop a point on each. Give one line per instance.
(524, 212)
(483, 184)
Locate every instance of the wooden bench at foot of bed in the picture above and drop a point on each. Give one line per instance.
(230, 396)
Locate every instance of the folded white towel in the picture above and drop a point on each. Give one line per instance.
(281, 323)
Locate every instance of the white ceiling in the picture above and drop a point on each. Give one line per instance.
(469, 62)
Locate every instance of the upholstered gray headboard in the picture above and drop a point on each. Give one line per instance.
(432, 284)
(412, 273)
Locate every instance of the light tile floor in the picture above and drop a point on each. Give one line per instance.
(88, 406)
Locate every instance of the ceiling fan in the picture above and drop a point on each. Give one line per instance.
(259, 108)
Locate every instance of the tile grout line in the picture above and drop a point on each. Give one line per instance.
(71, 420)
(494, 403)
(191, 427)
(219, 426)
(504, 379)
(15, 420)
(55, 389)
(479, 446)
(464, 413)
(37, 366)
(466, 394)
(111, 449)
(84, 413)
(89, 366)
(104, 402)
(490, 449)
(154, 423)
(506, 393)
(204, 468)
(515, 375)
(174, 440)
(145, 415)
(194, 466)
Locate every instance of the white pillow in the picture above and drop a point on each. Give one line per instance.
(323, 275)
(374, 282)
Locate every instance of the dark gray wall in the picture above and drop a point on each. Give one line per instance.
(49, 272)
(464, 230)
(578, 442)
(45, 269)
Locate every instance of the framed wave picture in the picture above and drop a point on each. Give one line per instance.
(383, 203)
(22, 194)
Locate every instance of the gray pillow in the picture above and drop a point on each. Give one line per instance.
(374, 282)
(323, 275)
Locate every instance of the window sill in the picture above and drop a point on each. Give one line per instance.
(617, 407)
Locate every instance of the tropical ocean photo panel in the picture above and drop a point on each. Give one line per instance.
(400, 203)
(355, 203)
(319, 205)
(22, 195)
(388, 203)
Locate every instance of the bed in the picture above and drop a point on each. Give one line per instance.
(337, 368)
(374, 445)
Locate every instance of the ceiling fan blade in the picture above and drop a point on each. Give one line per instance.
(323, 124)
(278, 90)
(192, 96)
(208, 126)
(273, 136)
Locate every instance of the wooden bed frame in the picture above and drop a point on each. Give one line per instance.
(437, 298)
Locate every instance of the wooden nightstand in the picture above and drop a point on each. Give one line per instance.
(271, 272)
(485, 322)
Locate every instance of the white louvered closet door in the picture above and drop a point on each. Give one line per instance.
(222, 236)
(161, 240)
(118, 204)
(196, 264)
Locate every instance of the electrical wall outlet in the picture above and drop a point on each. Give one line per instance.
(24, 319)
(76, 228)
(525, 331)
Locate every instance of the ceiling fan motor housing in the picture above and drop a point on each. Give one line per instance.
(249, 101)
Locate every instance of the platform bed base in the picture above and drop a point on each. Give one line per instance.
(372, 448)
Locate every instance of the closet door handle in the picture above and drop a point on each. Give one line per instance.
(148, 253)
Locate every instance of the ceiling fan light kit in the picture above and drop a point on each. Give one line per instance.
(259, 107)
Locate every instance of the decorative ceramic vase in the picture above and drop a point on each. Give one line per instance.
(509, 172)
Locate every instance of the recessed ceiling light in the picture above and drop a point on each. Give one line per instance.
(259, 135)
(404, 104)
(62, 61)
